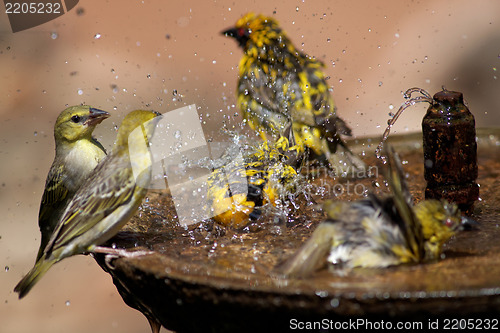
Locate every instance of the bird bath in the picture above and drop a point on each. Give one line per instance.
(205, 278)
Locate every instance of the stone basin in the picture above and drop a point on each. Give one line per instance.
(207, 278)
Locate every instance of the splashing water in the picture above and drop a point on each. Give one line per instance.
(426, 97)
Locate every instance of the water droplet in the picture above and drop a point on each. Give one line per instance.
(177, 134)
(214, 61)
(322, 293)
(67, 303)
(80, 92)
(148, 76)
(297, 8)
(396, 35)
(380, 83)
(7, 268)
(54, 35)
(97, 36)
(35, 133)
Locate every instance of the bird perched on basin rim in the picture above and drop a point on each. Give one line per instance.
(105, 202)
(279, 85)
(77, 155)
(377, 232)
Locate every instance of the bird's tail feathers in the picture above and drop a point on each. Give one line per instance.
(404, 202)
(346, 163)
(33, 276)
(310, 256)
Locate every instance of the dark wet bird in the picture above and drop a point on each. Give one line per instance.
(377, 232)
(279, 85)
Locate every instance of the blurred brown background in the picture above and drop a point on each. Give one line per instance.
(121, 56)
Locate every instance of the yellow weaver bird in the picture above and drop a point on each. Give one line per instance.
(105, 201)
(237, 194)
(279, 85)
(77, 155)
(377, 232)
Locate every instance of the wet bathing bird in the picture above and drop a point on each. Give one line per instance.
(237, 193)
(279, 85)
(77, 155)
(105, 201)
(377, 232)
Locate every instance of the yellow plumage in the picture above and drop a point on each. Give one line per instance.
(237, 194)
(77, 155)
(279, 87)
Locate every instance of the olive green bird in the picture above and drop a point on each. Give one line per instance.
(105, 201)
(377, 232)
(279, 85)
(77, 155)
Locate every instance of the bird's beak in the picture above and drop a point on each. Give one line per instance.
(232, 32)
(468, 224)
(96, 116)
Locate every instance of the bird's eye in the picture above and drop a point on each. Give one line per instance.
(75, 119)
(449, 223)
(241, 32)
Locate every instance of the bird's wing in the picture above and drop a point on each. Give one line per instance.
(55, 192)
(263, 83)
(404, 202)
(111, 185)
